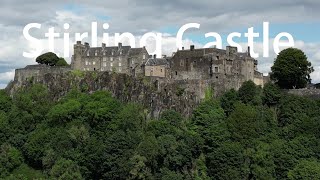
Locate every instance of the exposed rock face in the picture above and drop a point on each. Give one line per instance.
(154, 94)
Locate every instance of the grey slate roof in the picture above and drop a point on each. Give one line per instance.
(156, 62)
(108, 50)
(135, 51)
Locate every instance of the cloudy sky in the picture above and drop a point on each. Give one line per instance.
(300, 18)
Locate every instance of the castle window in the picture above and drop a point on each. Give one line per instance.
(181, 62)
(112, 53)
(104, 53)
(88, 53)
(94, 63)
(217, 57)
(104, 64)
(144, 56)
(121, 52)
(111, 58)
(104, 59)
(132, 61)
(87, 63)
(119, 63)
(111, 64)
(176, 73)
(119, 58)
(96, 53)
(216, 69)
(161, 70)
(120, 69)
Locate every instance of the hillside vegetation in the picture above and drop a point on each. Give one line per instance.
(252, 133)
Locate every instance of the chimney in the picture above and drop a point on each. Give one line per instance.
(119, 45)
(154, 56)
(86, 44)
(103, 45)
(192, 47)
(182, 48)
(164, 56)
(249, 51)
(78, 42)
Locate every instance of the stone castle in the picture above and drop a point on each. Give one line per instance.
(191, 70)
(228, 67)
(179, 82)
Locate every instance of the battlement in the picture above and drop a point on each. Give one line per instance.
(31, 71)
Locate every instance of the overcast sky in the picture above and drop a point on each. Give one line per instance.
(297, 17)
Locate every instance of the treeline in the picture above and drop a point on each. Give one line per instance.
(252, 133)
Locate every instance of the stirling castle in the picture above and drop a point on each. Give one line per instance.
(179, 82)
(228, 67)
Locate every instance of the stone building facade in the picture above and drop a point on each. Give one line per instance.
(157, 67)
(194, 70)
(228, 67)
(119, 59)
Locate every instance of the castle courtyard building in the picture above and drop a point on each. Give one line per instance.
(119, 59)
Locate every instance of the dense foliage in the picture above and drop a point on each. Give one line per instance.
(291, 69)
(253, 133)
(51, 59)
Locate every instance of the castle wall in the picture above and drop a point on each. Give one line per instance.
(31, 73)
(312, 93)
(157, 71)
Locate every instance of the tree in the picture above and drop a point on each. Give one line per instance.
(173, 117)
(305, 169)
(5, 101)
(10, 158)
(228, 100)
(61, 62)
(51, 59)
(291, 69)
(66, 169)
(249, 93)
(271, 94)
(48, 58)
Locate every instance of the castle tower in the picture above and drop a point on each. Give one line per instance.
(76, 61)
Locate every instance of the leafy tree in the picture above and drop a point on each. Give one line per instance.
(209, 122)
(61, 62)
(166, 174)
(65, 112)
(95, 136)
(291, 69)
(5, 101)
(271, 94)
(228, 100)
(139, 169)
(242, 123)
(249, 93)
(66, 170)
(305, 169)
(262, 162)
(172, 117)
(10, 158)
(226, 161)
(48, 58)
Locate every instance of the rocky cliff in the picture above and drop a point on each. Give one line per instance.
(153, 93)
